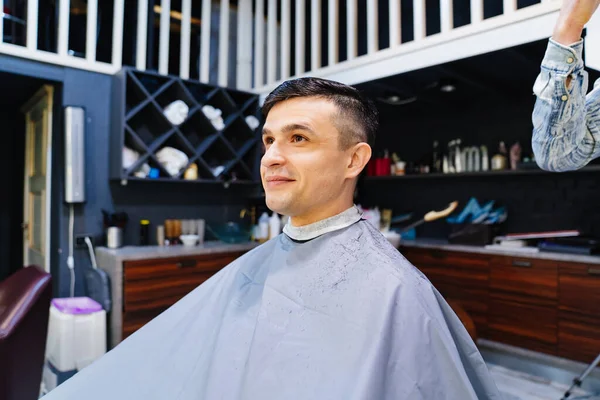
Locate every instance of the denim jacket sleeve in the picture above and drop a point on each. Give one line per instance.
(566, 121)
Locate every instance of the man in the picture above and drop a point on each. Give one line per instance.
(326, 310)
(566, 122)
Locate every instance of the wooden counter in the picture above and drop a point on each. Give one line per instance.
(545, 301)
(145, 281)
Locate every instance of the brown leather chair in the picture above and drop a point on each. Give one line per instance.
(24, 310)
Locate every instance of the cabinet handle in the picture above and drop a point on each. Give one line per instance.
(520, 263)
(186, 264)
(594, 271)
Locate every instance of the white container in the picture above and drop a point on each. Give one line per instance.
(189, 240)
(274, 225)
(76, 338)
(114, 237)
(393, 237)
(263, 227)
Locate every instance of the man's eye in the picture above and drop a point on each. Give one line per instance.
(298, 138)
(268, 140)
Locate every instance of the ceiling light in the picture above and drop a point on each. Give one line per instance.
(396, 100)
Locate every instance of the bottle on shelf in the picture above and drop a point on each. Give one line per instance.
(485, 161)
(451, 168)
(515, 155)
(458, 159)
(500, 161)
(398, 164)
(386, 163)
(274, 225)
(383, 164)
(263, 227)
(144, 232)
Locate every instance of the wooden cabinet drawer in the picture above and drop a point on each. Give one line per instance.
(524, 325)
(474, 301)
(578, 336)
(452, 267)
(580, 289)
(460, 277)
(526, 280)
(437, 256)
(159, 283)
(136, 320)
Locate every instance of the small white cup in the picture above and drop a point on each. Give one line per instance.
(189, 240)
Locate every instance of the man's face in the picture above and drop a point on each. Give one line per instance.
(303, 168)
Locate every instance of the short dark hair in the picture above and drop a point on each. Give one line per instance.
(358, 118)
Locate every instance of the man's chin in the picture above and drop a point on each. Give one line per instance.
(277, 203)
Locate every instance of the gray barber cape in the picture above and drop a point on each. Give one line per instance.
(338, 314)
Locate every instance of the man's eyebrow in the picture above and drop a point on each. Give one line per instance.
(289, 128)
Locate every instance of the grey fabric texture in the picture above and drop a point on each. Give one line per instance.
(342, 316)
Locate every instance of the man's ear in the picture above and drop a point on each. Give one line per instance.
(360, 154)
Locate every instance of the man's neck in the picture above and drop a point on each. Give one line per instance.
(332, 223)
(320, 214)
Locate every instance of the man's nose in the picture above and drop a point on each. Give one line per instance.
(273, 156)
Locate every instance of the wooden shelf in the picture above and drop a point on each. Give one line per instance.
(591, 168)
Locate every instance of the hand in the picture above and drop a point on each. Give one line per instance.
(574, 14)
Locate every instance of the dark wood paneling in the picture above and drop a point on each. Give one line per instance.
(542, 305)
(158, 269)
(459, 277)
(135, 320)
(473, 300)
(152, 286)
(157, 294)
(526, 280)
(450, 266)
(578, 336)
(580, 289)
(579, 311)
(530, 326)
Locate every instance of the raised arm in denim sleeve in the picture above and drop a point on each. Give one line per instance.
(565, 121)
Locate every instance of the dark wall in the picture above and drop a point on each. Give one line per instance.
(15, 91)
(159, 201)
(12, 149)
(141, 200)
(410, 130)
(535, 202)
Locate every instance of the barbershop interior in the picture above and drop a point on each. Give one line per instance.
(136, 199)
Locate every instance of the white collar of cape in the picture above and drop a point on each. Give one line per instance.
(311, 231)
